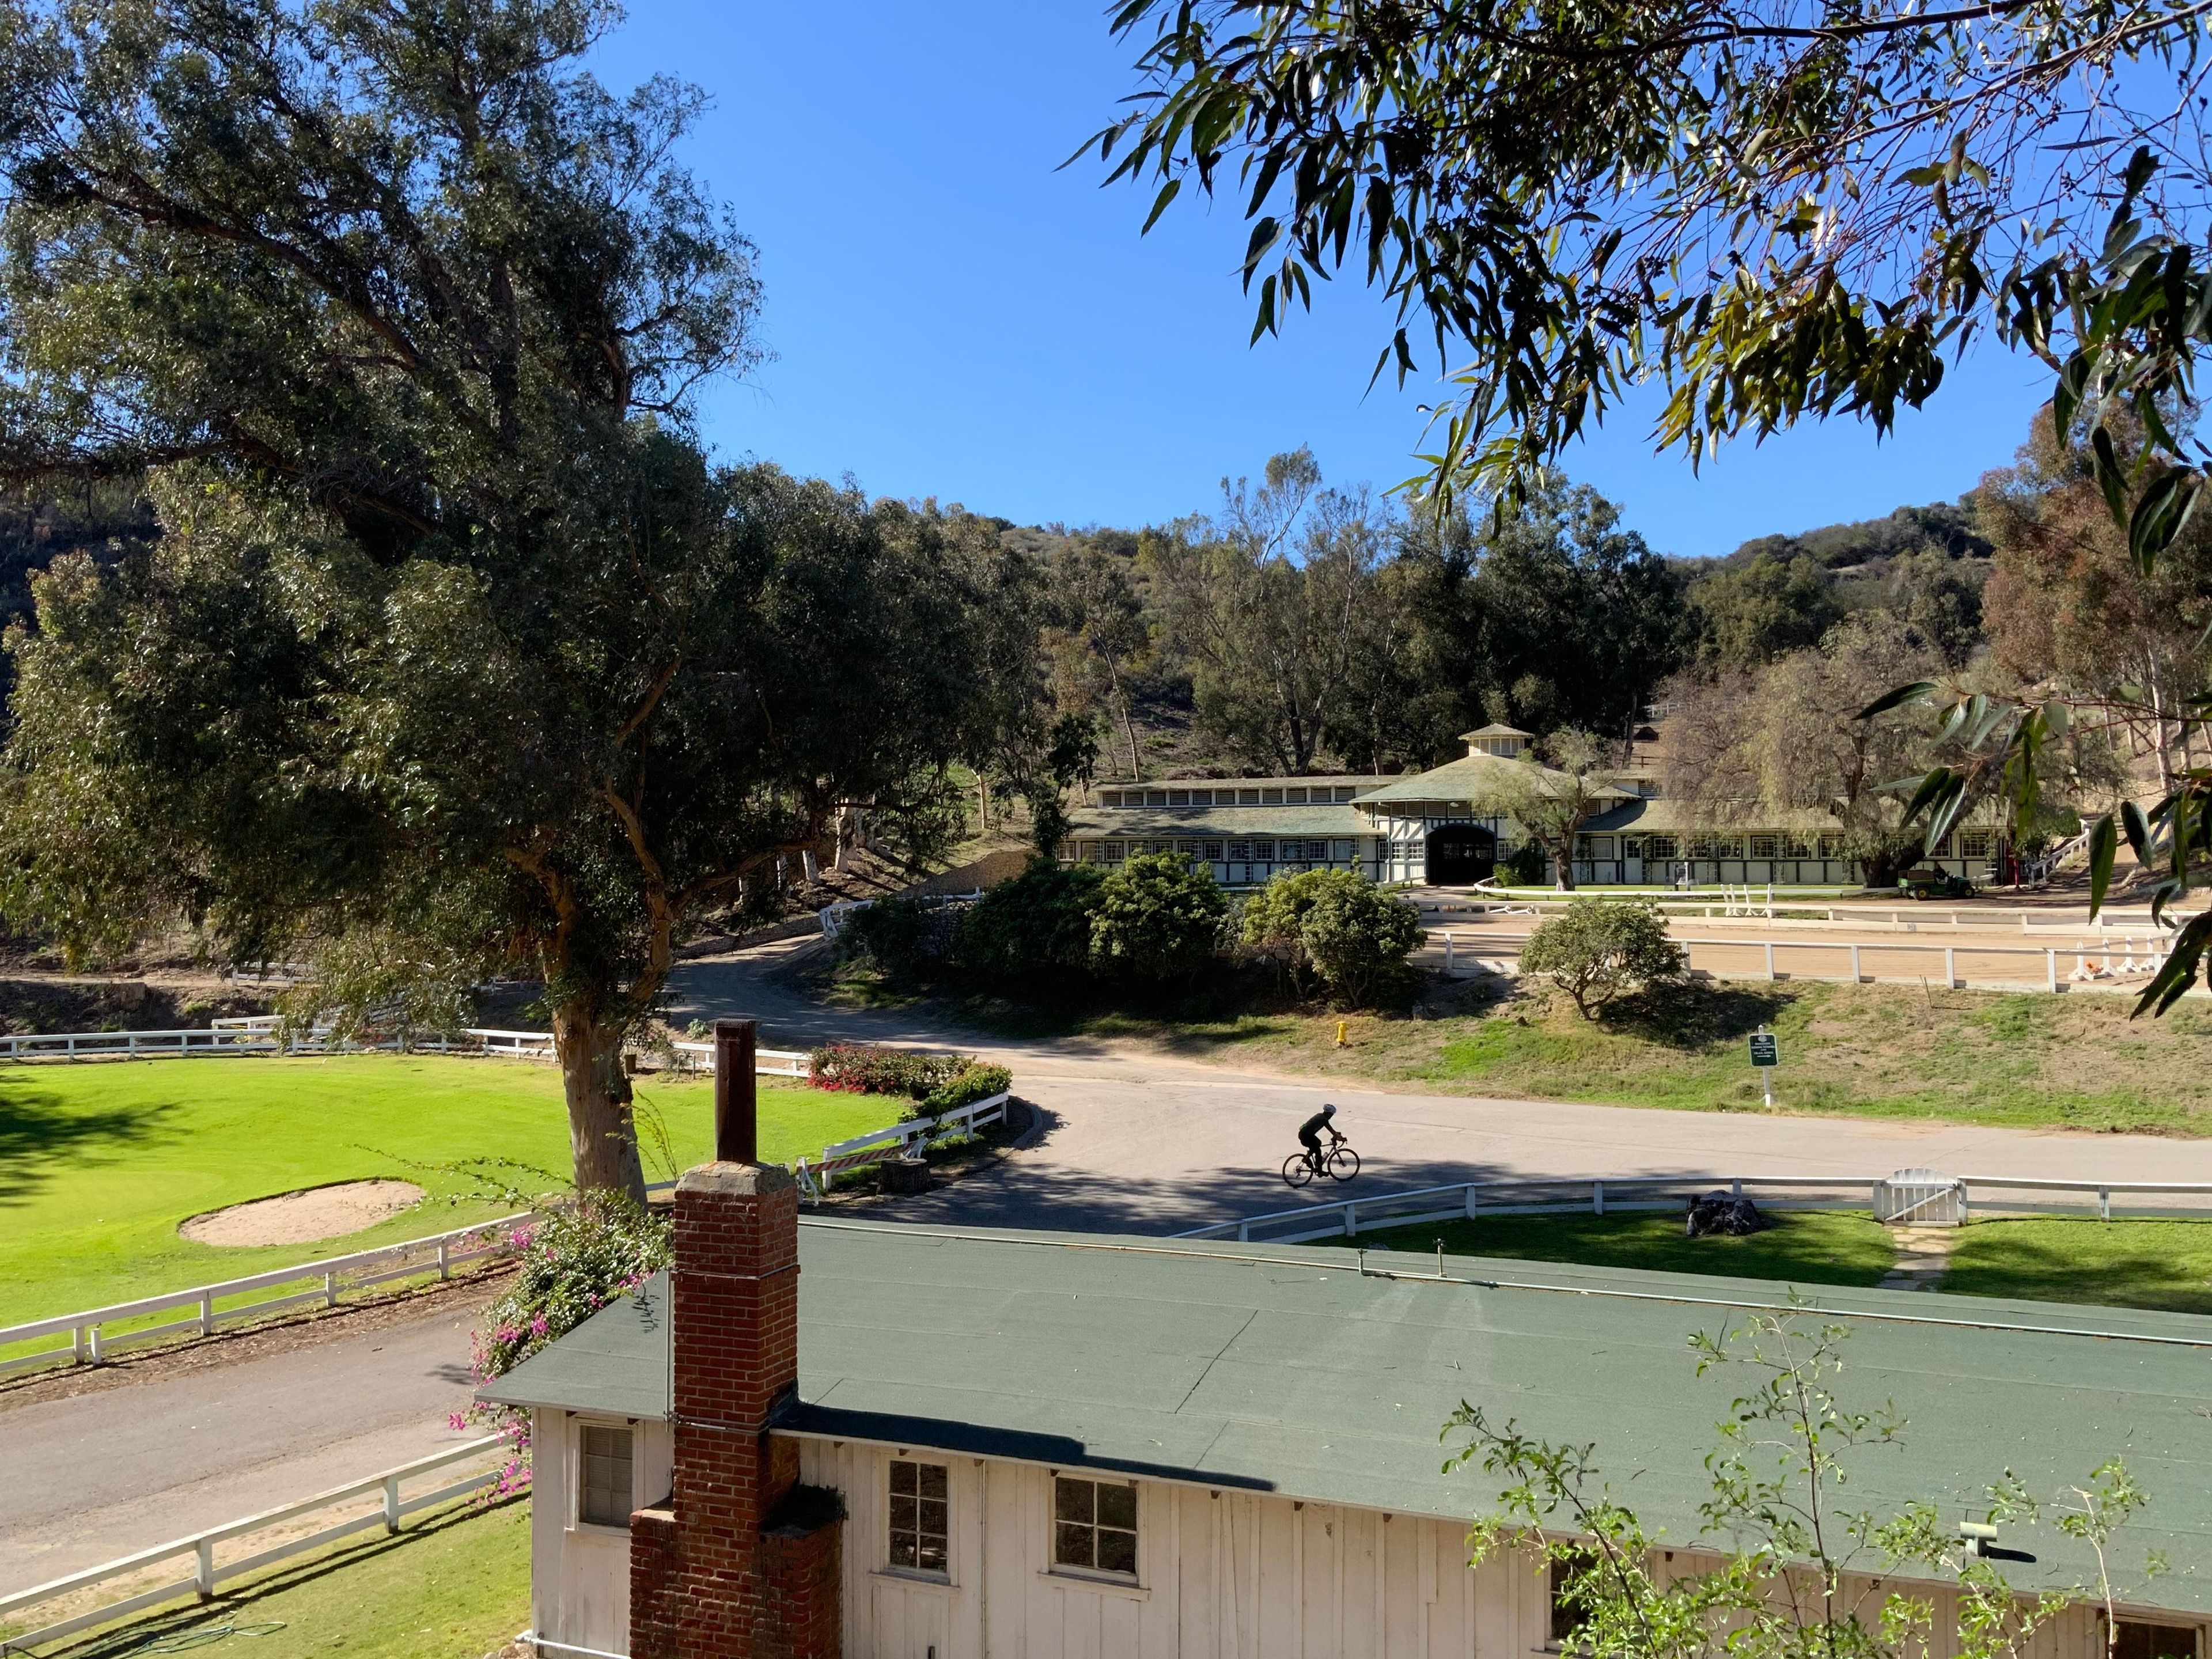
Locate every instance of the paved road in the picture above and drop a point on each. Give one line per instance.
(102, 1474)
(1134, 1141)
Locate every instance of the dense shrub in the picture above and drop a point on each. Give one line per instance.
(851, 1068)
(900, 935)
(1034, 929)
(973, 1082)
(1526, 865)
(1334, 926)
(1159, 919)
(1599, 949)
(1358, 938)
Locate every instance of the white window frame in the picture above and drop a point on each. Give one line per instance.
(1133, 1579)
(577, 1424)
(917, 1575)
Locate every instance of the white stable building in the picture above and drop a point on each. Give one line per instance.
(1442, 828)
(838, 1437)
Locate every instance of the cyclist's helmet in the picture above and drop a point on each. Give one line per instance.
(1328, 1110)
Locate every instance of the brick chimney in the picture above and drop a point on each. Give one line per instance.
(742, 1563)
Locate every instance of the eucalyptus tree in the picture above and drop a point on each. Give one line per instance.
(456, 655)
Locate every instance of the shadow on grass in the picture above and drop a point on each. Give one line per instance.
(2162, 1265)
(175, 1631)
(1695, 1016)
(41, 1136)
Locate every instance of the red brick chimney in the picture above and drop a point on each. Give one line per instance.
(743, 1563)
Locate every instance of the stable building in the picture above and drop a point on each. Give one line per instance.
(1442, 828)
(839, 1437)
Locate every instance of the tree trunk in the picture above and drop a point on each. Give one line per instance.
(1129, 731)
(1563, 866)
(602, 1138)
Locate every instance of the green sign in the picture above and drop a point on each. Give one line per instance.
(1765, 1048)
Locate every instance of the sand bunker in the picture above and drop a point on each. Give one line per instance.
(302, 1217)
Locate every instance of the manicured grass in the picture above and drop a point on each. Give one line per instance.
(2128, 1264)
(1812, 1247)
(1859, 1051)
(99, 1163)
(456, 1586)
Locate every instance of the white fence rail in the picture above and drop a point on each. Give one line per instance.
(1551, 1196)
(264, 1033)
(2050, 968)
(207, 1572)
(89, 1342)
(893, 1142)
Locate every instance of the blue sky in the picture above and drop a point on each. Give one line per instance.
(953, 317)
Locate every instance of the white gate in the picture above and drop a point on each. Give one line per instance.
(1920, 1197)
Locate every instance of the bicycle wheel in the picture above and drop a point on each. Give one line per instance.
(1343, 1164)
(1297, 1172)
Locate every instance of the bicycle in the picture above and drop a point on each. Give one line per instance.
(1337, 1163)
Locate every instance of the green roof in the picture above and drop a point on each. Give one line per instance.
(1336, 820)
(1473, 779)
(1283, 1369)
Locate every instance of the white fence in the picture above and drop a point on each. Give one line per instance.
(2050, 968)
(835, 918)
(1551, 1196)
(207, 1572)
(89, 1342)
(265, 1033)
(893, 1142)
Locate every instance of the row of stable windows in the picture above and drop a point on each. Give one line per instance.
(1283, 795)
(1218, 852)
(1659, 849)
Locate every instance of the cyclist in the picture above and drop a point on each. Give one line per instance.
(1310, 1133)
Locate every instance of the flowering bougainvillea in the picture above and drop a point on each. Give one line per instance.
(940, 1082)
(575, 1259)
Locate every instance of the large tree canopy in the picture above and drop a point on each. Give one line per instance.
(456, 654)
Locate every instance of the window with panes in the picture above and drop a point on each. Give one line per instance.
(1094, 1525)
(920, 1516)
(604, 1497)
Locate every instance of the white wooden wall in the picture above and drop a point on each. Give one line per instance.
(580, 1575)
(1227, 1575)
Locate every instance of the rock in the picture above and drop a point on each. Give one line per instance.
(904, 1174)
(1726, 1215)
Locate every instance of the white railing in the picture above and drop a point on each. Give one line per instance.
(265, 1033)
(1347, 1218)
(89, 1343)
(893, 1142)
(207, 1572)
(2137, 957)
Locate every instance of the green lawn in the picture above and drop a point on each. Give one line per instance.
(1813, 1247)
(2129, 1264)
(455, 1585)
(99, 1163)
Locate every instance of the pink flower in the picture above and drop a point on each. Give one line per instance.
(538, 1326)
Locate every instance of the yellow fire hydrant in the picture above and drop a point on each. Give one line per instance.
(1340, 1042)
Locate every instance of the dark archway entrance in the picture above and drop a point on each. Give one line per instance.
(1459, 853)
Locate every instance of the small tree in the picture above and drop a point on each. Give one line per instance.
(1600, 949)
(1336, 925)
(1159, 918)
(1551, 802)
(1802, 1573)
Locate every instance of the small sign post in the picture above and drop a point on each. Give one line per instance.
(1765, 1055)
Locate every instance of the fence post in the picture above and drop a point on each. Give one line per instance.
(2104, 1203)
(1472, 1200)
(1597, 1198)
(445, 1266)
(93, 1331)
(76, 1345)
(391, 1504)
(203, 1568)
(1351, 1217)
(1769, 959)
(1735, 1188)
(1243, 1232)
(331, 1289)
(1448, 951)
(1855, 964)
(2050, 971)
(207, 1313)
(1950, 967)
